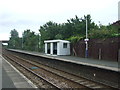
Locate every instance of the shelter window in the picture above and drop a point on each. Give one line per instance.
(64, 45)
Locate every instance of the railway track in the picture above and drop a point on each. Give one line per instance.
(45, 83)
(55, 80)
(58, 78)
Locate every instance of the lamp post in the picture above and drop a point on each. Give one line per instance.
(22, 41)
(86, 40)
(39, 35)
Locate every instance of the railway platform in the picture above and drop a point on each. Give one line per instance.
(103, 64)
(11, 78)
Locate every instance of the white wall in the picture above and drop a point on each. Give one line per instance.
(64, 51)
(51, 48)
(58, 48)
(45, 48)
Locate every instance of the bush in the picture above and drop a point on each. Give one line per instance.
(75, 39)
(103, 33)
(116, 35)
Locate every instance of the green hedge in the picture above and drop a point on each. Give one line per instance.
(75, 39)
(103, 33)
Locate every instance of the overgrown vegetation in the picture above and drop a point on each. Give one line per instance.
(15, 41)
(28, 41)
(73, 30)
(104, 32)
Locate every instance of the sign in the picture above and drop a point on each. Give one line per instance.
(86, 39)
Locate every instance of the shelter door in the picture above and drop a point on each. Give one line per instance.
(48, 48)
(55, 48)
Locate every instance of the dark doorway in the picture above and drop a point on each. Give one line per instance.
(48, 48)
(55, 48)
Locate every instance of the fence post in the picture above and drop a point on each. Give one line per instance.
(119, 55)
(100, 54)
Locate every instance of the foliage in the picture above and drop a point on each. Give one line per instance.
(104, 32)
(14, 41)
(75, 39)
(14, 33)
(73, 30)
(30, 40)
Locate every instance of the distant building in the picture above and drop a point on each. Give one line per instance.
(119, 10)
(117, 23)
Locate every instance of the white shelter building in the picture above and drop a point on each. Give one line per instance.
(57, 47)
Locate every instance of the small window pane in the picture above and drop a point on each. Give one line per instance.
(64, 45)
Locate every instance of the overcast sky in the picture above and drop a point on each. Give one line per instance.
(30, 14)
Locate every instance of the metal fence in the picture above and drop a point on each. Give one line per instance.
(102, 49)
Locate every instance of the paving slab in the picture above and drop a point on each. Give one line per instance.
(12, 78)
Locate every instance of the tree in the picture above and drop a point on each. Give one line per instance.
(14, 33)
(14, 41)
(72, 28)
(104, 32)
(30, 40)
(50, 30)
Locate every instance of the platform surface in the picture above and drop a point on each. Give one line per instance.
(104, 64)
(12, 78)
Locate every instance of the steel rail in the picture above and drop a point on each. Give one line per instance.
(54, 85)
(50, 72)
(87, 85)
